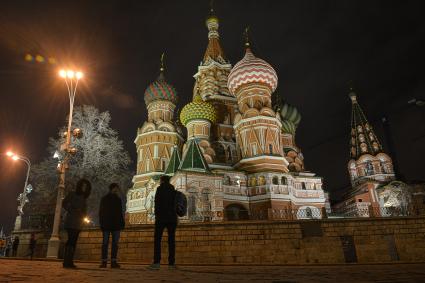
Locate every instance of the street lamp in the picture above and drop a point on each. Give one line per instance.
(71, 78)
(23, 199)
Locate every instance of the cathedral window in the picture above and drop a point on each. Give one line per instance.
(253, 181)
(226, 180)
(303, 186)
(155, 151)
(261, 180)
(369, 168)
(271, 148)
(141, 154)
(283, 180)
(254, 149)
(192, 205)
(275, 180)
(308, 212)
(148, 165)
(163, 164)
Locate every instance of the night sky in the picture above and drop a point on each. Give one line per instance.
(316, 47)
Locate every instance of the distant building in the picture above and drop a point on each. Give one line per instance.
(374, 186)
(239, 159)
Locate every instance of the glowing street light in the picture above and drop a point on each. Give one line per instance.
(23, 199)
(71, 78)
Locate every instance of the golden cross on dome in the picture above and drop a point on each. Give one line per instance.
(351, 85)
(246, 33)
(162, 62)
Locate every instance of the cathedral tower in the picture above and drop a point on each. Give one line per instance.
(156, 138)
(197, 117)
(257, 126)
(211, 86)
(368, 161)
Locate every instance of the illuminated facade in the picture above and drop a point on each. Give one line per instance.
(374, 188)
(239, 159)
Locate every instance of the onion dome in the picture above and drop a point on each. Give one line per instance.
(160, 89)
(198, 109)
(290, 118)
(251, 70)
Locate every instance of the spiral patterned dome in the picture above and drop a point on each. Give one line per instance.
(251, 70)
(160, 90)
(198, 109)
(290, 118)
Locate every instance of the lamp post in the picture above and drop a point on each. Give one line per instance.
(71, 79)
(23, 199)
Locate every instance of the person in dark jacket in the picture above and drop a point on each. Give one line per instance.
(165, 217)
(111, 222)
(15, 246)
(76, 207)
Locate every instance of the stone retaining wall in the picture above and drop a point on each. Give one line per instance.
(364, 240)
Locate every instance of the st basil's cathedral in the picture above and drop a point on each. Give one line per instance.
(239, 158)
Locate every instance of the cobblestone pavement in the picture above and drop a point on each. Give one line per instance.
(51, 271)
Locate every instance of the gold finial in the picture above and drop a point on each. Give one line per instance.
(162, 68)
(352, 94)
(247, 45)
(212, 7)
(351, 85)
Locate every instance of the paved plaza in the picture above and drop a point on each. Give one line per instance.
(51, 271)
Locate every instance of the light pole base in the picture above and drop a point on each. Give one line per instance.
(18, 222)
(53, 247)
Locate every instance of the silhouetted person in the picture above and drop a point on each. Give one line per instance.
(111, 220)
(33, 242)
(15, 246)
(76, 207)
(165, 217)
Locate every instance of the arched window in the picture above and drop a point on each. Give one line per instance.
(271, 148)
(369, 168)
(308, 212)
(252, 181)
(284, 181)
(275, 180)
(192, 205)
(261, 180)
(226, 180)
(164, 164)
(303, 186)
(148, 165)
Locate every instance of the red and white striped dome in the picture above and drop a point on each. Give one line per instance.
(251, 70)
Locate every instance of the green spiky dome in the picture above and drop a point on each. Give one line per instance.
(290, 118)
(198, 109)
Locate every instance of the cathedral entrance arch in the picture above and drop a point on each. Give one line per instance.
(236, 211)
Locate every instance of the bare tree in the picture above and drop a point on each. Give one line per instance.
(100, 158)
